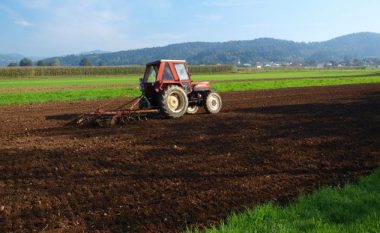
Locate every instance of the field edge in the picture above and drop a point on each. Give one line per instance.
(354, 207)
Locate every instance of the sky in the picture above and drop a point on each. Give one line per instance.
(58, 27)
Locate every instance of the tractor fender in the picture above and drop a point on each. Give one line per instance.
(162, 86)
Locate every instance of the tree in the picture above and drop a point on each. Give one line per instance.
(102, 63)
(12, 64)
(85, 62)
(26, 62)
(41, 63)
(56, 62)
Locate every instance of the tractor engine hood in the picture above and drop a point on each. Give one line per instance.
(201, 86)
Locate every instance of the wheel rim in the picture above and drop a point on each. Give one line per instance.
(192, 109)
(174, 102)
(214, 102)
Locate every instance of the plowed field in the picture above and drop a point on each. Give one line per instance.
(165, 175)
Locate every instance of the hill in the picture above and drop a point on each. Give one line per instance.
(344, 48)
(5, 59)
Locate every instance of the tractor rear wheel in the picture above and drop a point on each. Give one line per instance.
(213, 103)
(193, 109)
(174, 102)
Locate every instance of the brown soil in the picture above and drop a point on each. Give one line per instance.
(165, 175)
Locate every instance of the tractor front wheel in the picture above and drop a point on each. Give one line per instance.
(213, 103)
(174, 102)
(193, 109)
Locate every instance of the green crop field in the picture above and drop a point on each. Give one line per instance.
(288, 83)
(288, 74)
(33, 71)
(68, 81)
(24, 97)
(354, 208)
(35, 90)
(133, 79)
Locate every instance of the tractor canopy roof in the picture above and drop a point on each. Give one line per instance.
(165, 60)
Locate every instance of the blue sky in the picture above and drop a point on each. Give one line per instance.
(58, 27)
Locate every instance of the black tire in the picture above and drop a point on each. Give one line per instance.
(213, 103)
(193, 109)
(174, 102)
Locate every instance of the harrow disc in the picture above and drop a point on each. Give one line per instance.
(105, 121)
(121, 116)
(93, 121)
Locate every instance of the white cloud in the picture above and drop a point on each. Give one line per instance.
(23, 22)
(75, 26)
(15, 16)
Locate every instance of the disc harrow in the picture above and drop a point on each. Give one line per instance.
(120, 116)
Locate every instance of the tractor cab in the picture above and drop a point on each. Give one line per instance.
(161, 73)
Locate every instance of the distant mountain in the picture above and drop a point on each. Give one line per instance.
(93, 52)
(5, 59)
(353, 46)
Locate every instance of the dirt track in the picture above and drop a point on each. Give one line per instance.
(164, 175)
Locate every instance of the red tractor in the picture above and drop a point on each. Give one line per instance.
(167, 86)
(167, 89)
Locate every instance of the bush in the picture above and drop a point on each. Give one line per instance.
(26, 62)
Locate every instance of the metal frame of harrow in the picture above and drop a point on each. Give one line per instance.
(121, 115)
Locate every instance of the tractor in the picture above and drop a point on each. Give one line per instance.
(167, 89)
(167, 86)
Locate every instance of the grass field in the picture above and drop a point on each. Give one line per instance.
(67, 81)
(277, 84)
(37, 90)
(25, 97)
(133, 79)
(288, 74)
(354, 208)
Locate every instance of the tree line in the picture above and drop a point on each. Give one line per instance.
(52, 62)
(359, 49)
(341, 50)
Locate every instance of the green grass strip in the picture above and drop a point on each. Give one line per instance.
(285, 74)
(67, 81)
(133, 79)
(354, 208)
(7, 98)
(277, 84)
(66, 95)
